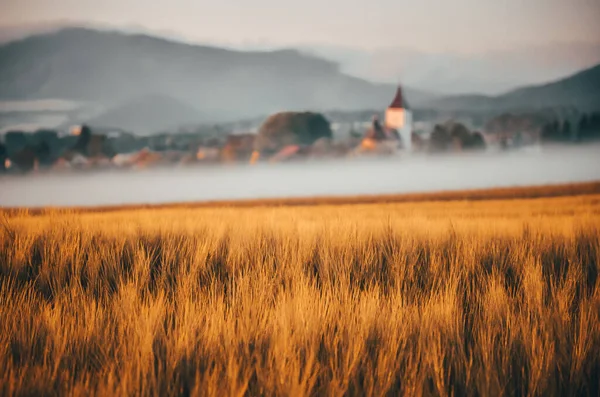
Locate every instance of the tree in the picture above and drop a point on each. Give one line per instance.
(291, 128)
(462, 135)
(3, 155)
(458, 131)
(594, 126)
(43, 153)
(440, 140)
(551, 131)
(584, 123)
(583, 126)
(83, 140)
(48, 136)
(566, 129)
(476, 141)
(376, 132)
(15, 141)
(595, 121)
(24, 159)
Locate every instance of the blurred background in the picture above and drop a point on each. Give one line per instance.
(121, 85)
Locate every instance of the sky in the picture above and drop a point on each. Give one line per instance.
(465, 26)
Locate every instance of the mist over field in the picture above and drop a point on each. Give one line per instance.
(336, 178)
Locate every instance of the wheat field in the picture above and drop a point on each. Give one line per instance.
(488, 298)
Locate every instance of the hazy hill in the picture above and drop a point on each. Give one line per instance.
(110, 67)
(147, 114)
(581, 90)
(492, 72)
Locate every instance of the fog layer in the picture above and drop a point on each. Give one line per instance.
(401, 174)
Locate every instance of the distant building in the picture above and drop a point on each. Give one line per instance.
(238, 147)
(399, 117)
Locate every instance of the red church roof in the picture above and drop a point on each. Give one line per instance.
(399, 101)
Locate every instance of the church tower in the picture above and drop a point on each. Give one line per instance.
(399, 117)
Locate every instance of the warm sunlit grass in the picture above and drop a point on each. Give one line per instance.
(480, 298)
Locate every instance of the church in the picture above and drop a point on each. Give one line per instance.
(395, 132)
(399, 117)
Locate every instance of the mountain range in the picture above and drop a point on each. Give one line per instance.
(148, 83)
(581, 91)
(493, 72)
(148, 114)
(111, 67)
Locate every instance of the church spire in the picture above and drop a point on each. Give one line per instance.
(399, 101)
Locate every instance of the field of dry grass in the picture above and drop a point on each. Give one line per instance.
(500, 193)
(494, 297)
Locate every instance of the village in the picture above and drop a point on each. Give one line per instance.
(290, 136)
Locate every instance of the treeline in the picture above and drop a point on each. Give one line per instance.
(454, 136)
(586, 127)
(42, 148)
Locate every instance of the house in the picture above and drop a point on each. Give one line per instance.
(238, 147)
